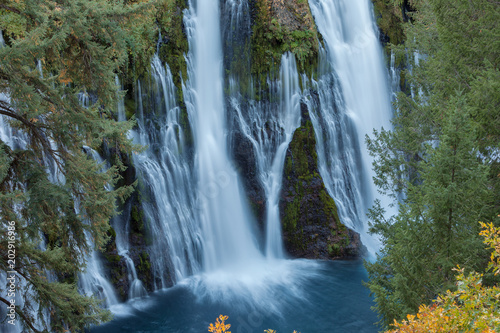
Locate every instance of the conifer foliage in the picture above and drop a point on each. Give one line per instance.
(473, 307)
(440, 163)
(56, 195)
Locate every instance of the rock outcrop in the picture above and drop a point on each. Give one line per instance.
(311, 226)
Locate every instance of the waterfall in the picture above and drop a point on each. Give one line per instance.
(395, 77)
(225, 220)
(92, 281)
(166, 181)
(194, 205)
(121, 104)
(15, 140)
(18, 139)
(270, 127)
(352, 101)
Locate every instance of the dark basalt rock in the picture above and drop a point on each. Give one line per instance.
(311, 226)
(115, 267)
(244, 159)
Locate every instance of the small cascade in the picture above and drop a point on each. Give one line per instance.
(394, 73)
(121, 225)
(10, 136)
(7, 134)
(352, 101)
(270, 127)
(166, 180)
(416, 62)
(92, 281)
(17, 139)
(121, 104)
(228, 235)
(337, 146)
(236, 33)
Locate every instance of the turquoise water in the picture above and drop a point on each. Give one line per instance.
(307, 296)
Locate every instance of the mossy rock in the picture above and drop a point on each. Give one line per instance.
(174, 44)
(280, 27)
(311, 225)
(390, 21)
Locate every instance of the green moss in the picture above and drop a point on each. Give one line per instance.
(292, 213)
(272, 38)
(329, 207)
(186, 127)
(172, 52)
(137, 219)
(113, 258)
(311, 205)
(112, 233)
(144, 268)
(389, 20)
(303, 146)
(129, 107)
(333, 249)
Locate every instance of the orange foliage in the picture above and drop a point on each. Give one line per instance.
(220, 326)
(472, 308)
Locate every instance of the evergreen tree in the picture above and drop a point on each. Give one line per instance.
(51, 190)
(439, 162)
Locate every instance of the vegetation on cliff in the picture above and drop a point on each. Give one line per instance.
(391, 15)
(440, 162)
(174, 43)
(473, 307)
(281, 26)
(311, 225)
(58, 198)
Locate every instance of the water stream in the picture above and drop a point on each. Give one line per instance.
(354, 99)
(225, 219)
(205, 240)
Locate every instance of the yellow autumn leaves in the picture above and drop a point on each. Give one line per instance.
(221, 326)
(473, 307)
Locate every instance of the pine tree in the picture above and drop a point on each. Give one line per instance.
(51, 190)
(438, 163)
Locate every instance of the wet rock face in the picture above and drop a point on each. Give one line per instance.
(279, 26)
(140, 238)
(244, 158)
(311, 226)
(294, 14)
(115, 267)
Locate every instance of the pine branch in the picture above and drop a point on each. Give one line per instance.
(35, 130)
(10, 9)
(26, 320)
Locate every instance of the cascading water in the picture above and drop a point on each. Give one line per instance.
(395, 77)
(92, 281)
(351, 104)
(270, 127)
(225, 220)
(195, 206)
(166, 181)
(121, 103)
(121, 223)
(18, 140)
